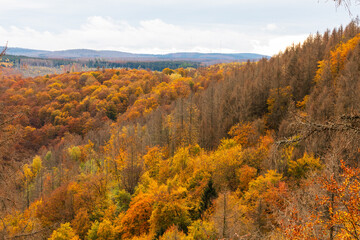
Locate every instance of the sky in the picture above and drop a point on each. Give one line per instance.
(164, 26)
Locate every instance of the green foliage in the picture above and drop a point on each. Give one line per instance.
(202, 230)
(301, 167)
(208, 195)
(167, 213)
(64, 232)
(111, 112)
(93, 231)
(122, 199)
(75, 153)
(48, 156)
(227, 144)
(260, 185)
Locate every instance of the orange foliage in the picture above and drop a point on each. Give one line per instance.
(242, 133)
(136, 220)
(336, 63)
(343, 202)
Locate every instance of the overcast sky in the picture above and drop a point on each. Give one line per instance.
(163, 26)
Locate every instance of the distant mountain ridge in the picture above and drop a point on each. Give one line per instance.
(125, 56)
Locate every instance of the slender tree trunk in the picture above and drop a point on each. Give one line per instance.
(190, 120)
(181, 122)
(41, 182)
(27, 195)
(224, 230)
(332, 227)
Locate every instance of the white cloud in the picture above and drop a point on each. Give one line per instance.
(271, 27)
(185, 25)
(269, 46)
(149, 36)
(21, 4)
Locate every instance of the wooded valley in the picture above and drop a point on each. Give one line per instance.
(255, 150)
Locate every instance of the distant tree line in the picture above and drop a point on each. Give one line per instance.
(154, 66)
(98, 63)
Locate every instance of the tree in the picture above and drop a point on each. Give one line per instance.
(202, 230)
(2, 53)
(208, 195)
(136, 220)
(343, 203)
(168, 212)
(29, 175)
(301, 167)
(345, 3)
(335, 214)
(64, 232)
(81, 222)
(106, 231)
(173, 233)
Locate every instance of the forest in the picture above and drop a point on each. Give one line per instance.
(253, 150)
(30, 66)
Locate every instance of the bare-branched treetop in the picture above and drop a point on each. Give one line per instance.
(3, 51)
(346, 3)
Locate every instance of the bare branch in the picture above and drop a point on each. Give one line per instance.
(346, 4)
(4, 50)
(308, 128)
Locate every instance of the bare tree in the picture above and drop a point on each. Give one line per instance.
(307, 128)
(346, 3)
(3, 51)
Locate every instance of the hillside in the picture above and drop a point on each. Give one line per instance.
(32, 67)
(123, 56)
(253, 150)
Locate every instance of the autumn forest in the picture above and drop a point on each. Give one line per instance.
(264, 149)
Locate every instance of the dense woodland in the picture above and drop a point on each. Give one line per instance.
(264, 150)
(29, 66)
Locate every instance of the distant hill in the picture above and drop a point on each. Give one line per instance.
(206, 58)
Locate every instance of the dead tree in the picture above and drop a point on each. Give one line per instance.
(3, 51)
(307, 128)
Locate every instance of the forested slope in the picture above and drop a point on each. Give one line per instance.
(265, 150)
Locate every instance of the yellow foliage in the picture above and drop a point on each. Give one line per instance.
(260, 185)
(322, 65)
(277, 96)
(64, 232)
(36, 164)
(202, 230)
(106, 231)
(173, 233)
(28, 174)
(241, 133)
(339, 55)
(18, 223)
(153, 160)
(337, 60)
(302, 166)
(302, 104)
